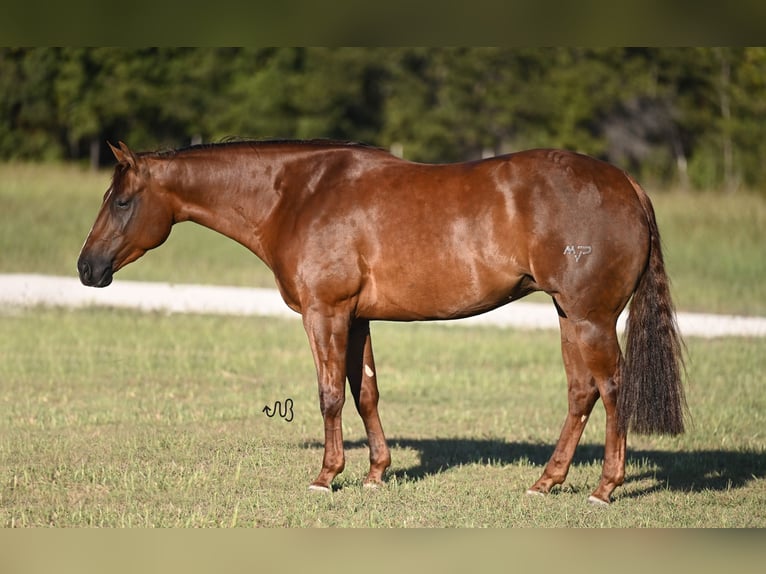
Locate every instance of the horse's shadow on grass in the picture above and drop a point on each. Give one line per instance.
(687, 471)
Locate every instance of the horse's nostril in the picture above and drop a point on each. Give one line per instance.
(85, 271)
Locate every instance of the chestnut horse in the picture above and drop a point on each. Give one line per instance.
(354, 234)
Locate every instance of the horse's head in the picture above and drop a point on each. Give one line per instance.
(135, 216)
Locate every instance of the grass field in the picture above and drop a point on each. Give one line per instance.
(114, 418)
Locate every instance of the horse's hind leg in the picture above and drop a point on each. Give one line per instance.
(596, 374)
(601, 352)
(362, 378)
(582, 395)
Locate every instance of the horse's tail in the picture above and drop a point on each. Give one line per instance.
(651, 396)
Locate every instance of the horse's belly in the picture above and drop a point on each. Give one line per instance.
(445, 294)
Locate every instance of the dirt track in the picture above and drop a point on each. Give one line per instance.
(30, 290)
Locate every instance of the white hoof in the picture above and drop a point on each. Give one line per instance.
(531, 492)
(597, 501)
(318, 488)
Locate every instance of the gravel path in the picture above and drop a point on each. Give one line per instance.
(29, 290)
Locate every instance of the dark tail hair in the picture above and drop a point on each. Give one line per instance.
(651, 398)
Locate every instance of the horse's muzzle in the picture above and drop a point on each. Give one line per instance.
(94, 272)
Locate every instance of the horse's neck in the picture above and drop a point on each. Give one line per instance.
(233, 198)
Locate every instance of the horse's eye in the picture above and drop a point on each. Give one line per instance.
(122, 203)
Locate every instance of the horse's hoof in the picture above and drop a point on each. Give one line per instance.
(371, 485)
(531, 492)
(318, 488)
(597, 501)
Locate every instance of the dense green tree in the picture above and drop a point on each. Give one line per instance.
(29, 127)
(693, 116)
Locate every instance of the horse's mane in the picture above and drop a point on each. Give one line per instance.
(233, 141)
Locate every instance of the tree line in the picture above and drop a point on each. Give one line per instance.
(692, 117)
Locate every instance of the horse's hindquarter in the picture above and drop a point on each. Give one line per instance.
(588, 232)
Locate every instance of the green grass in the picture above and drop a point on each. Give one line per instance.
(112, 418)
(714, 248)
(713, 243)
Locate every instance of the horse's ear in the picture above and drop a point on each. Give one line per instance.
(123, 154)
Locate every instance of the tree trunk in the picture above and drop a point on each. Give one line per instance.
(727, 147)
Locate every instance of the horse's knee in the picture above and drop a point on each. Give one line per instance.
(368, 401)
(331, 401)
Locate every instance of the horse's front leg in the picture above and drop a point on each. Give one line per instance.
(327, 331)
